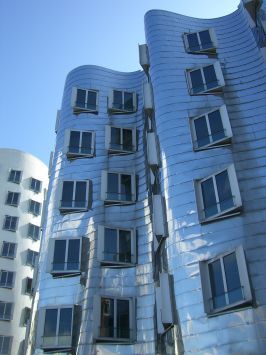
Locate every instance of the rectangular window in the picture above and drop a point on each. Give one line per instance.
(211, 129)
(75, 195)
(35, 185)
(122, 102)
(7, 279)
(201, 42)
(66, 256)
(6, 310)
(116, 246)
(120, 140)
(206, 79)
(5, 345)
(10, 223)
(9, 250)
(12, 198)
(26, 316)
(79, 143)
(31, 257)
(33, 231)
(34, 207)
(225, 281)
(118, 187)
(84, 100)
(28, 286)
(15, 176)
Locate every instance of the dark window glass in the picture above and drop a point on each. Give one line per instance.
(128, 101)
(35, 185)
(115, 138)
(209, 200)
(197, 81)
(123, 319)
(124, 246)
(81, 98)
(59, 255)
(5, 310)
(74, 142)
(127, 140)
(201, 131)
(110, 244)
(112, 187)
(8, 250)
(31, 257)
(217, 285)
(193, 42)
(33, 231)
(50, 323)
(91, 100)
(118, 100)
(10, 223)
(35, 207)
(12, 198)
(73, 254)
(126, 188)
(67, 194)
(234, 289)
(15, 176)
(224, 191)
(210, 77)
(5, 343)
(107, 318)
(28, 288)
(86, 143)
(205, 39)
(216, 125)
(80, 194)
(6, 279)
(65, 322)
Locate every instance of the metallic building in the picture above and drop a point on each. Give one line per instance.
(155, 225)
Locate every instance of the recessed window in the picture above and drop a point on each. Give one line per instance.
(206, 79)
(9, 250)
(75, 196)
(33, 231)
(218, 195)
(34, 207)
(201, 42)
(7, 279)
(12, 198)
(122, 102)
(10, 223)
(5, 345)
(116, 246)
(31, 257)
(225, 282)
(15, 176)
(28, 286)
(6, 310)
(26, 316)
(211, 129)
(118, 187)
(120, 140)
(35, 185)
(79, 144)
(84, 100)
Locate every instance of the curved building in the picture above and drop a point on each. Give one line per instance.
(23, 181)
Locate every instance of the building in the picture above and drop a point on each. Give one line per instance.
(23, 181)
(155, 229)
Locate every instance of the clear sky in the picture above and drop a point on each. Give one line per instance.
(42, 40)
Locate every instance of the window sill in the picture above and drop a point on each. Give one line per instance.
(117, 111)
(72, 156)
(236, 307)
(63, 274)
(236, 210)
(116, 264)
(212, 91)
(65, 210)
(78, 110)
(120, 152)
(217, 144)
(118, 203)
(107, 340)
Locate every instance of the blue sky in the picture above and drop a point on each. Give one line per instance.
(42, 40)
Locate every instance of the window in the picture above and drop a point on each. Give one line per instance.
(34, 207)
(12, 198)
(118, 187)
(7, 279)
(84, 100)
(211, 129)
(35, 185)
(114, 318)
(5, 345)
(116, 246)
(218, 195)
(31, 257)
(10, 223)
(6, 310)
(122, 102)
(207, 79)
(33, 231)
(201, 42)
(74, 196)
(28, 286)
(26, 316)
(120, 140)
(225, 282)
(9, 250)
(79, 143)
(15, 176)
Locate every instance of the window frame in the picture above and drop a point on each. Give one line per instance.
(114, 110)
(10, 223)
(7, 256)
(5, 284)
(206, 91)
(233, 181)
(35, 181)
(117, 151)
(71, 209)
(14, 180)
(213, 143)
(34, 228)
(35, 204)
(12, 198)
(10, 316)
(211, 50)
(2, 339)
(33, 258)
(78, 109)
(79, 154)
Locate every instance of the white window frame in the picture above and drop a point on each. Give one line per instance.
(10, 317)
(244, 280)
(213, 143)
(212, 49)
(33, 258)
(72, 208)
(6, 272)
(12, 198)
(77, 109)
(10, 223)
(79, 154)
(97, 318)
(34, 227)
(108, 143)
(34, 182)
(101, 247)
(16, 173)
(115, 110)
(2, 339)
(37, 207)
(7, 256)
(104, 181)
(235, 195)
(219, 77)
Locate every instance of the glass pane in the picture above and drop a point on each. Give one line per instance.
(127, 140)
(91, 100)
(65, 322)
(209, 200)
(9, 198)
(9, 281)
(124, 246)
(118, 100)
(50, 323)
(2, 310)
(3, 278)
(115, 138)
(197, 81)
(217, 286)
(15, 198)
(11, 252)
(67, 194)
(73, 255)
(205, 39)
(128, 101)
(201, 131)
(107, 318)
(80, 194)
(234, 288)
(123, 319)
(112, 187)
(193, 42)
(59, 255)
(37, 185)
(5, 346)
(8, 310)
(5, 249)
(216, 125)
(13, 223)
(210, 77)
(224, 191)
(81, 97)
(86, 143)
(74, 142)
(126, 188)
(110, 244)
